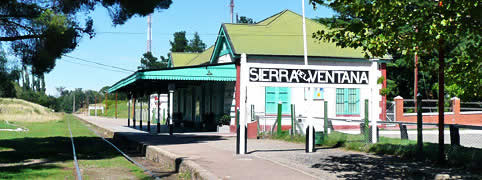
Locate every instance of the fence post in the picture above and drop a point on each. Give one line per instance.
(403, 131)
(140, 118)
(419, 127)
(456, 109)
(278, 131)
(398, 108)
(163, 116)
(365, 128)
(454, 136)
(325, 123)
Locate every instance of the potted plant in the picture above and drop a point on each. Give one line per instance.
(223, 123)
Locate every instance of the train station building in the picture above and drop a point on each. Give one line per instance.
(254, 67)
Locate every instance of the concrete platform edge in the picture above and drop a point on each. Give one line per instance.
(161, 156)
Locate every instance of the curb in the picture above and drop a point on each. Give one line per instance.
(158, 155)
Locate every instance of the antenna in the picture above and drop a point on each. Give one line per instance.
(149, 32)
(232, 11)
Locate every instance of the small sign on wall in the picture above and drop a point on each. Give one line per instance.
(318, 93)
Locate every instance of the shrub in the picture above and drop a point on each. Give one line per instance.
(224, 120)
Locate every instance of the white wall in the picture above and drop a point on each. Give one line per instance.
(256, 90)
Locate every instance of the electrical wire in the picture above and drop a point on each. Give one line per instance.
(101, 64)
(98, 67)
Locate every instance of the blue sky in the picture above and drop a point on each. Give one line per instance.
(124, 50)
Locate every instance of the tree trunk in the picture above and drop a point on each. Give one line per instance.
(441, 103)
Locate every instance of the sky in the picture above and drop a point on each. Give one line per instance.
(122, 46)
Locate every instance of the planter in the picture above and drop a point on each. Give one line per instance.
(223, 129)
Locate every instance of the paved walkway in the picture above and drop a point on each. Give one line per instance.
(270, 159)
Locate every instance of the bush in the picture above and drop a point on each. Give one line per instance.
(224, 120)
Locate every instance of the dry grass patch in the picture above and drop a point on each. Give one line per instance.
(23, 111)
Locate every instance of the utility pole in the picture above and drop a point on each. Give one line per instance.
(232, 11)
(310, 145)
(441, 102)
(149, 32)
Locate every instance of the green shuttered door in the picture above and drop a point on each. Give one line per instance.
(274, 95)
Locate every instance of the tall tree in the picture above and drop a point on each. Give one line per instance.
(148, 61)
(180, 43)
(410, 27)
(39, 32)
(196, 44)
(246, 20)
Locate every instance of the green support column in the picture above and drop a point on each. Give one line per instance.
(279, 118)
(325, 126)
(367, 132)
(163, 116)
(292, 119)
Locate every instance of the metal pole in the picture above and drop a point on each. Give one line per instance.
(140, 113)
(149, 114)
(292, 119)
(310, 133)
(278, 119)
(129, 112)
(116, 105)
(158, 112)
(325, 118)
(171, 126)
(134, 111)
(365, 128)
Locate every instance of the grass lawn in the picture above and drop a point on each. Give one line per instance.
(458, 156)
(4, 125)
(45, 152)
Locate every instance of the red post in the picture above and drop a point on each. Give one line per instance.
(383, 104)
(398, 108)
(455, 109)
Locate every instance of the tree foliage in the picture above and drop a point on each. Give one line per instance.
(148, 61)
(196, 44)
(402, 28)
(246, 20)
(39, 32)
(180, 42)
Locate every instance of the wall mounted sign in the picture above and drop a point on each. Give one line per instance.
(307, 76)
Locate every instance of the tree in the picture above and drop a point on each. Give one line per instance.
(196, 44)
(409, 27)
(180, 43)
(148, 61)
(6, 81)
(245, 20)
(39, 32)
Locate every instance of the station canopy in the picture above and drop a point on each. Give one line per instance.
(157, 80)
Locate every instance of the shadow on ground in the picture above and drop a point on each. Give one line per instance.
(359, 166)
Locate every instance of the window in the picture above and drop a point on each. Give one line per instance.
(274, 95)
(347, 101)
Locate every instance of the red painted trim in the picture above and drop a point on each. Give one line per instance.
(283, 115)
(237, 93)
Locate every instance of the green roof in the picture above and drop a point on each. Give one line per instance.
(178, 59)
(282, 34)
(202, 58)
(218, 72)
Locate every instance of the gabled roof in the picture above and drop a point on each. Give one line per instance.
(201, 58)
(282, 35)
(178, 59)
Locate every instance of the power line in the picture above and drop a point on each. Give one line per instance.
(98, 67)
(170, 34)
(99, 63)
